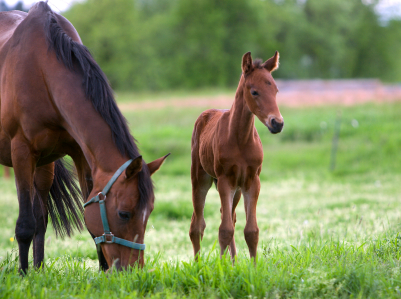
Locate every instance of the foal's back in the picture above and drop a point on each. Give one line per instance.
(210, 127)
(205, 126)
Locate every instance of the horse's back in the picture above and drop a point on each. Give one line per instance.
(27, 30)
(25, 57)
(23, 45)
(9, 21)
(26, 68)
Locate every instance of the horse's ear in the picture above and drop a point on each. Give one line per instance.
(133, 168)
(247, 65)
(272, 63)
(155, 165)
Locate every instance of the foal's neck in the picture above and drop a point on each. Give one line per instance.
(242, 120)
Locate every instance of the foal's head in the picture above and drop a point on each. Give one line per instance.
(259, 91)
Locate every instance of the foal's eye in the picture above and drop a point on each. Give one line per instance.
(254, 93)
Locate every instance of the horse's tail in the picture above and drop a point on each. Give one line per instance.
(65, 201)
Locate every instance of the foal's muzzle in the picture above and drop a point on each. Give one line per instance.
(275, 127)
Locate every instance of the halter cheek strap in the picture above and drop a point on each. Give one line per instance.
(108, 237)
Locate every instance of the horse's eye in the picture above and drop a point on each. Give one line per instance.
(254, 93)
(124, 215)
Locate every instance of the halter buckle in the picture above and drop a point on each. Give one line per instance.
(108, 235)
(104, 195)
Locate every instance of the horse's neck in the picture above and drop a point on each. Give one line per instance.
(93, 135)
(101, 153)
(242, 120)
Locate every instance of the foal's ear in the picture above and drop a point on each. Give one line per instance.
(155, 165)
(272, 63)
(133, 168)
(247, 65)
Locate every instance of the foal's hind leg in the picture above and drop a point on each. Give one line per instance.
(201, 183)
(237, 197)
(24, 167)
(43, 181)
(251, 230)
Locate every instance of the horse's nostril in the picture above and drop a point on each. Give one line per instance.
(276, 127)
(124, 215)
(274, 123)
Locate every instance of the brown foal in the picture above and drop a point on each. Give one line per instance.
(226, 148)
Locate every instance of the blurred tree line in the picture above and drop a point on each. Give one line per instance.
(167, 44)
(18, 6)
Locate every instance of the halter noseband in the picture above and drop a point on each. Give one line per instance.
(108, 237)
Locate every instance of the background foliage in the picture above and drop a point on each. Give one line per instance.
(158, 44)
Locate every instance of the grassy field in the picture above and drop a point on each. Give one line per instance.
(322, 233)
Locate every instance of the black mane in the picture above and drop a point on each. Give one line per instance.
(98, 90)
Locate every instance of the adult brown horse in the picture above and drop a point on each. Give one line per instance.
(226, 148)
(56, 101)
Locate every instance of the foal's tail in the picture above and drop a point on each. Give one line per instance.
(65, 201)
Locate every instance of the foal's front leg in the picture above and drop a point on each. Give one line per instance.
(251, 230)
(201, 183)
(233, 248)
(226, 229)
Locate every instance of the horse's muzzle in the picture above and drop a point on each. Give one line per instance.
(275, 127)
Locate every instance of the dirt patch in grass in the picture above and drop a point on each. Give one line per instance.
(293, 93)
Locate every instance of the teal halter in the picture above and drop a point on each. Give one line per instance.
(108, 237)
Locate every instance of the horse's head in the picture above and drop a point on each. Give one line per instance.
(260, 91)
(128, 205)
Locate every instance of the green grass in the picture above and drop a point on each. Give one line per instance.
(322, 233)
(315, 269)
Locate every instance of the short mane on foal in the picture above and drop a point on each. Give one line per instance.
(76, 57)
(258, 63)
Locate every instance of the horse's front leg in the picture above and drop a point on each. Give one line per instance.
(43, 181)
(251, 230)
(226, 229)
(24, 167)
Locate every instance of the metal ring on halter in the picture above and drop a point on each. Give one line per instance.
(102, 194)
(108, 241)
